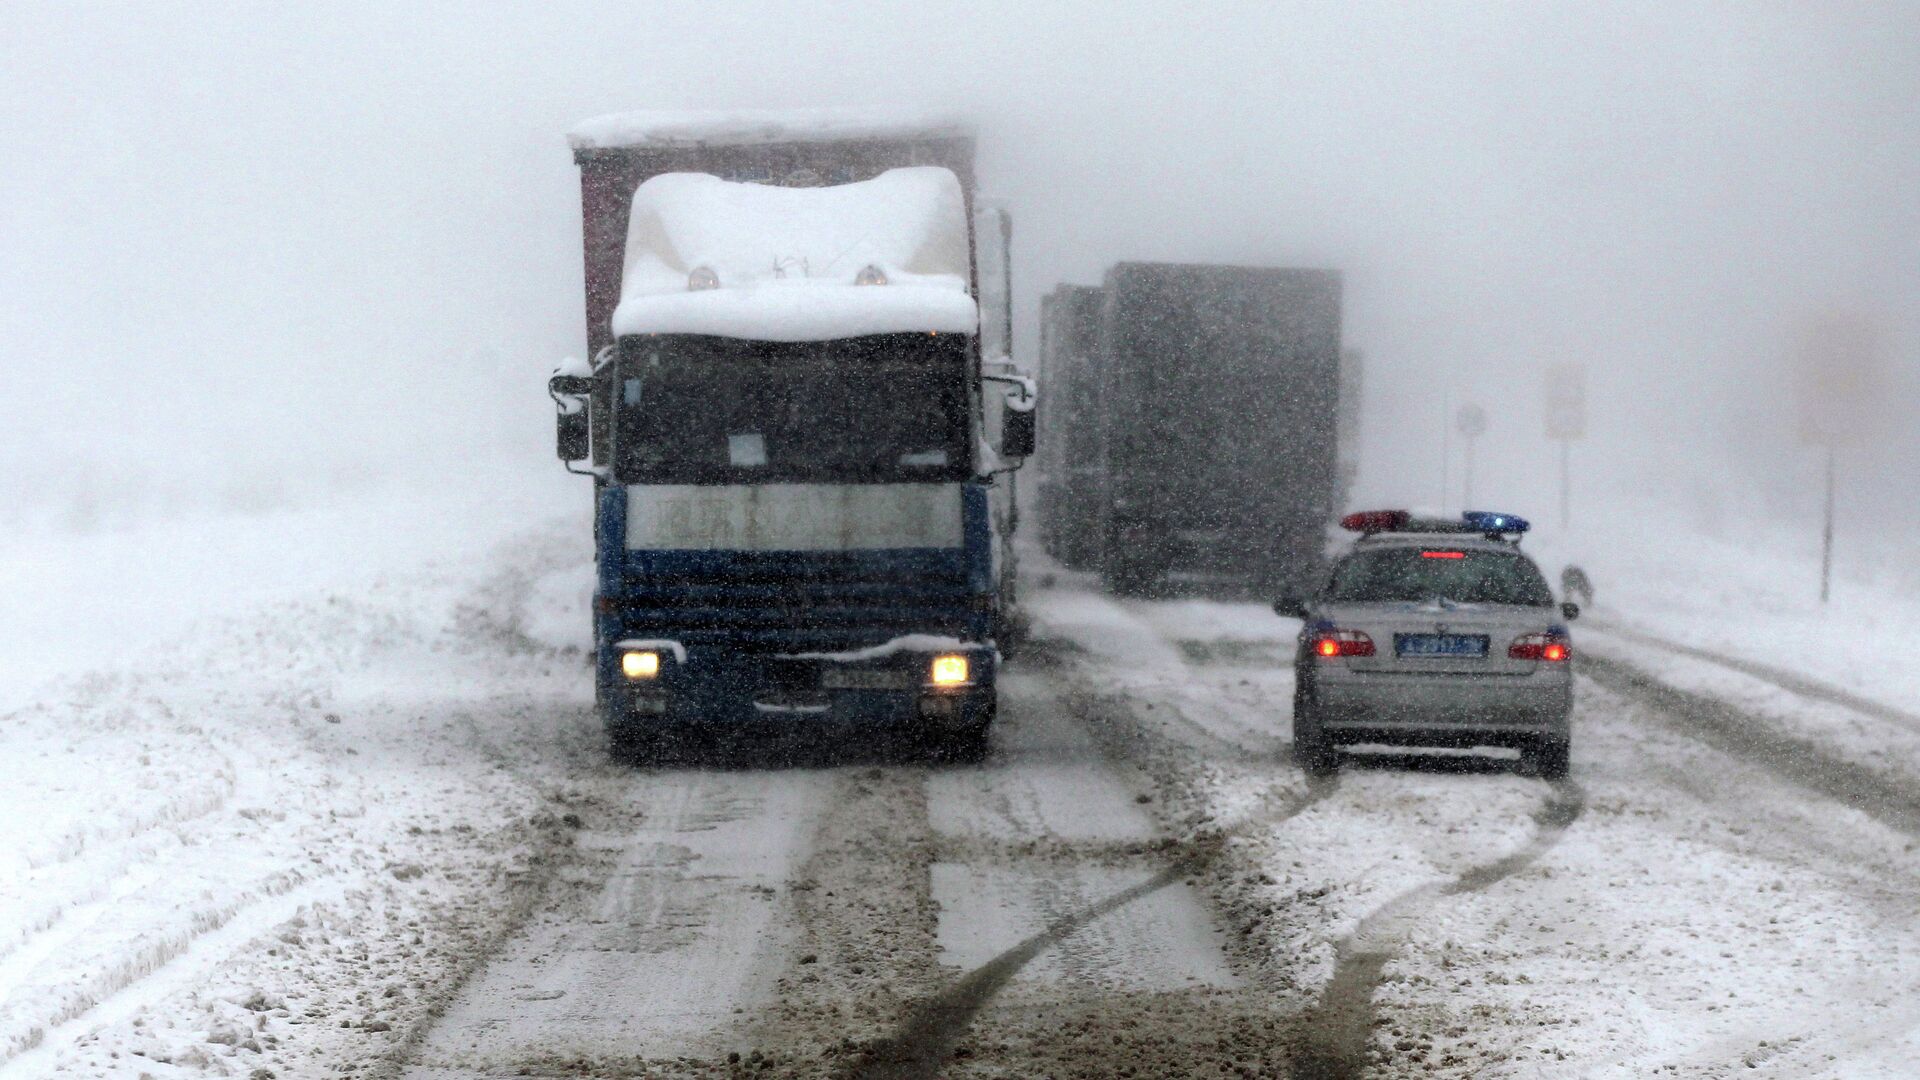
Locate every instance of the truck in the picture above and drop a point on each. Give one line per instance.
(1194, 442)
(800, 425)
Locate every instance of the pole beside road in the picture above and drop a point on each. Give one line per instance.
(1566, 417)
(1842, 384)
(1471, 421)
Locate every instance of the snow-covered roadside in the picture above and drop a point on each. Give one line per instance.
(269, 847)
(83, 600)
(1748, 586)
(1699, 917)
(1691, 602)
(1879, 738)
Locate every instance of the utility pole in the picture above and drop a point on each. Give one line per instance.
(1842, 384)
(1826, 534)
(1566, 484)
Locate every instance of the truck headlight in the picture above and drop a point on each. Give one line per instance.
(949, 670)
(640, 665)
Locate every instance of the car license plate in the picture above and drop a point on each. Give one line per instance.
(1448, 645)
(859, 679)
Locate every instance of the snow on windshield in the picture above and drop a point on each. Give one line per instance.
(786, 258)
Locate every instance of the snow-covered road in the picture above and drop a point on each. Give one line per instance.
(372, 832)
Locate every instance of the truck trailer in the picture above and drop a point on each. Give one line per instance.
(1194, 443)
(801, 457)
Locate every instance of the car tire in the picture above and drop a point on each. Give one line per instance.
(1312, 751)
(1550, 759)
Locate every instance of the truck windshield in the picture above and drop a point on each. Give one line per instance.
(1416, 574)
(709, 410)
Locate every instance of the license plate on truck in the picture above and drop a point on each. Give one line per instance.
(1450, 645)
(858, 679)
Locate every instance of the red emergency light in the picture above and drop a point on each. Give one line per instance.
(1373, 521)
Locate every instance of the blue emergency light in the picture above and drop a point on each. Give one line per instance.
(1488, 522)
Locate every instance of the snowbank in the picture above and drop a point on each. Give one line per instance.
(266, 838)
(750, 126)
(786, 259)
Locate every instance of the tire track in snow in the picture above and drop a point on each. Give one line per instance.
(134, 979)
(923, 1043)
(1734, 731)
(552, 853)
(1336, 1030)
(1792, 682)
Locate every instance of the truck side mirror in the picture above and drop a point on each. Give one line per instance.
(569, 392)
(1290, 607)
(1016, 431)
(571, 435)
(1569, 611)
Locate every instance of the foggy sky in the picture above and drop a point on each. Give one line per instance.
(334, 236)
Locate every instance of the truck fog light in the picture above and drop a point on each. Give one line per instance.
(949, 670)
(650, 706)
(640, 665)
(944, 708)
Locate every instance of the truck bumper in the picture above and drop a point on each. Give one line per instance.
(718, 689)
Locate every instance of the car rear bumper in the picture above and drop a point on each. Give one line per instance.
(1431, 711)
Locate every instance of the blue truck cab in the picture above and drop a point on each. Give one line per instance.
(801, 440)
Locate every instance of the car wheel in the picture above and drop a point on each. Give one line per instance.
(1311, 749)
(1551, 759)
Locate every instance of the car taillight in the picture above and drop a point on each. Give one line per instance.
(1552, 648)
(1335, 643)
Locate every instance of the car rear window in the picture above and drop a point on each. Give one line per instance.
(1463, 576)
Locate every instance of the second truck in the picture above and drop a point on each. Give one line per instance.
(1198, 419)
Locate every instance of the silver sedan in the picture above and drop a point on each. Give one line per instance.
(1433, 632)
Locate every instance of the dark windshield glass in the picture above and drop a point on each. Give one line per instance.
(1418, 574)
(705, 410)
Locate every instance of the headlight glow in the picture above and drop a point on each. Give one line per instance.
(949, 670)
(640, 665)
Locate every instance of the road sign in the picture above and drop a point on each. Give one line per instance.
(1841, 383)
(1566, 402)
(1471, 420)
(1841, 380)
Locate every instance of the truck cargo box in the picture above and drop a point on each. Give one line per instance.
(1218, 404)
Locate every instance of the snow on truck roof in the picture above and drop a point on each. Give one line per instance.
(710, 256)
(743, 127)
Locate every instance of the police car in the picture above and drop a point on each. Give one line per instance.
(1433, 631)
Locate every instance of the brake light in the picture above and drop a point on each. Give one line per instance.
(1331, 644)
(1552, 648)
(1443, 554)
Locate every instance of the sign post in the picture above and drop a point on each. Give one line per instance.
(1841, 392)
(1566, 421)
(1471, 421)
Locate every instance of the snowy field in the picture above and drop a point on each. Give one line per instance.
(295, 794)
(354, 818)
